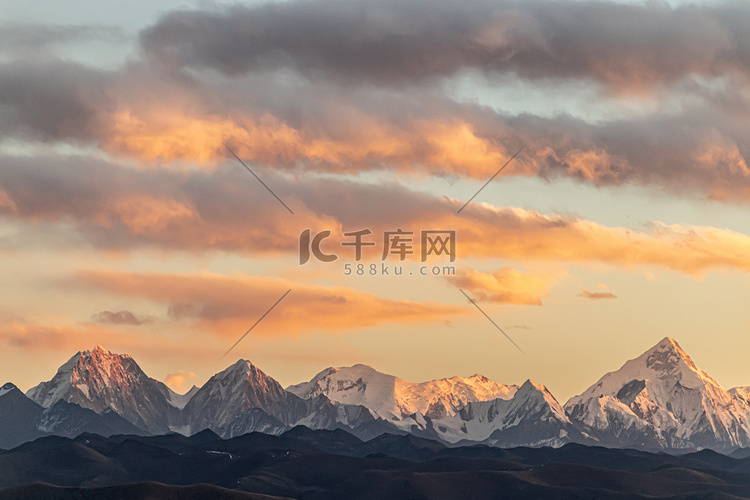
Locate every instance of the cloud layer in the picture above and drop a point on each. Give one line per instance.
(291, 86)
(626, 47)
(120, 209)
(229, 305)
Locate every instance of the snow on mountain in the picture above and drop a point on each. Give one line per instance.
(230, 395)
(5, 389)
(392, 398)
(741, 392)
(98, 379)
(180, 400)
(532, 417)
(662, 399)
(659, 400)
(242, 399)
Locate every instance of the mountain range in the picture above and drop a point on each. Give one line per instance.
(658, 401)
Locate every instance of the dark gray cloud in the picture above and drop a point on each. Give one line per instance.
(700, 149)
(395, 42)
(148, 111)
(52, 100)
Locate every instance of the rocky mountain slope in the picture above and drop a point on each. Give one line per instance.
(659, 400)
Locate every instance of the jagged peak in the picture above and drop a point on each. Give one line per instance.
(367, 369)
(664, 361)
(98, 364)
(5, 389)
(100, 359)
(100, 351)
(241, 365)
(363, 366)
(530, 386)
(532, 391)
(243, 369)
(667, 356)
(89, 355)
(668, 344)
(345, 370)
(742, 392)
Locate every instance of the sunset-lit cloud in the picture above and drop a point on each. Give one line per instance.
(118, 318)
(120, 209)
(505, 285)
(597, 295)
(180, 381)
(229, 305)
(147, 114)
(40, 336)
(126, 221)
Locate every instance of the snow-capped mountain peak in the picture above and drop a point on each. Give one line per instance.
(241, 391)
(393, 398)
(241, 376)
(5, 389)
(180, 400)
(531, 417)
(662, 399)
(668, 359)
(98, 379)
(530, 389)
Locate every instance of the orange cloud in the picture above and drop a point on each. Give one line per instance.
(143, 111)
(506, 285)
(151, 348)
(597, 295)
(180, 381)
(172, 135)
(227, 210)
(449, 147)
(53, 337)
(529, 235)
(230, 305)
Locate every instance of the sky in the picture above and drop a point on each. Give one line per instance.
(160, 162)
